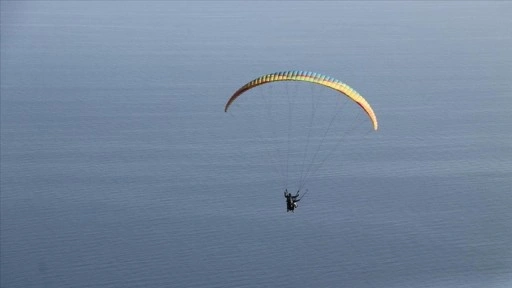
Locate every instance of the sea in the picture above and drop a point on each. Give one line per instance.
(120, 168)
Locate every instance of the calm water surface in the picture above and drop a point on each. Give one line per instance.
(119, 167)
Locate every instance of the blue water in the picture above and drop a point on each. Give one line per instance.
(119, 167)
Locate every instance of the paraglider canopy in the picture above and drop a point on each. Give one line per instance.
(308, 77)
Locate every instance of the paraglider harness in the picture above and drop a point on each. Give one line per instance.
(291, 201)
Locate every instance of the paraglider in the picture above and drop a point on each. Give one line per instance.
(304, 157)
